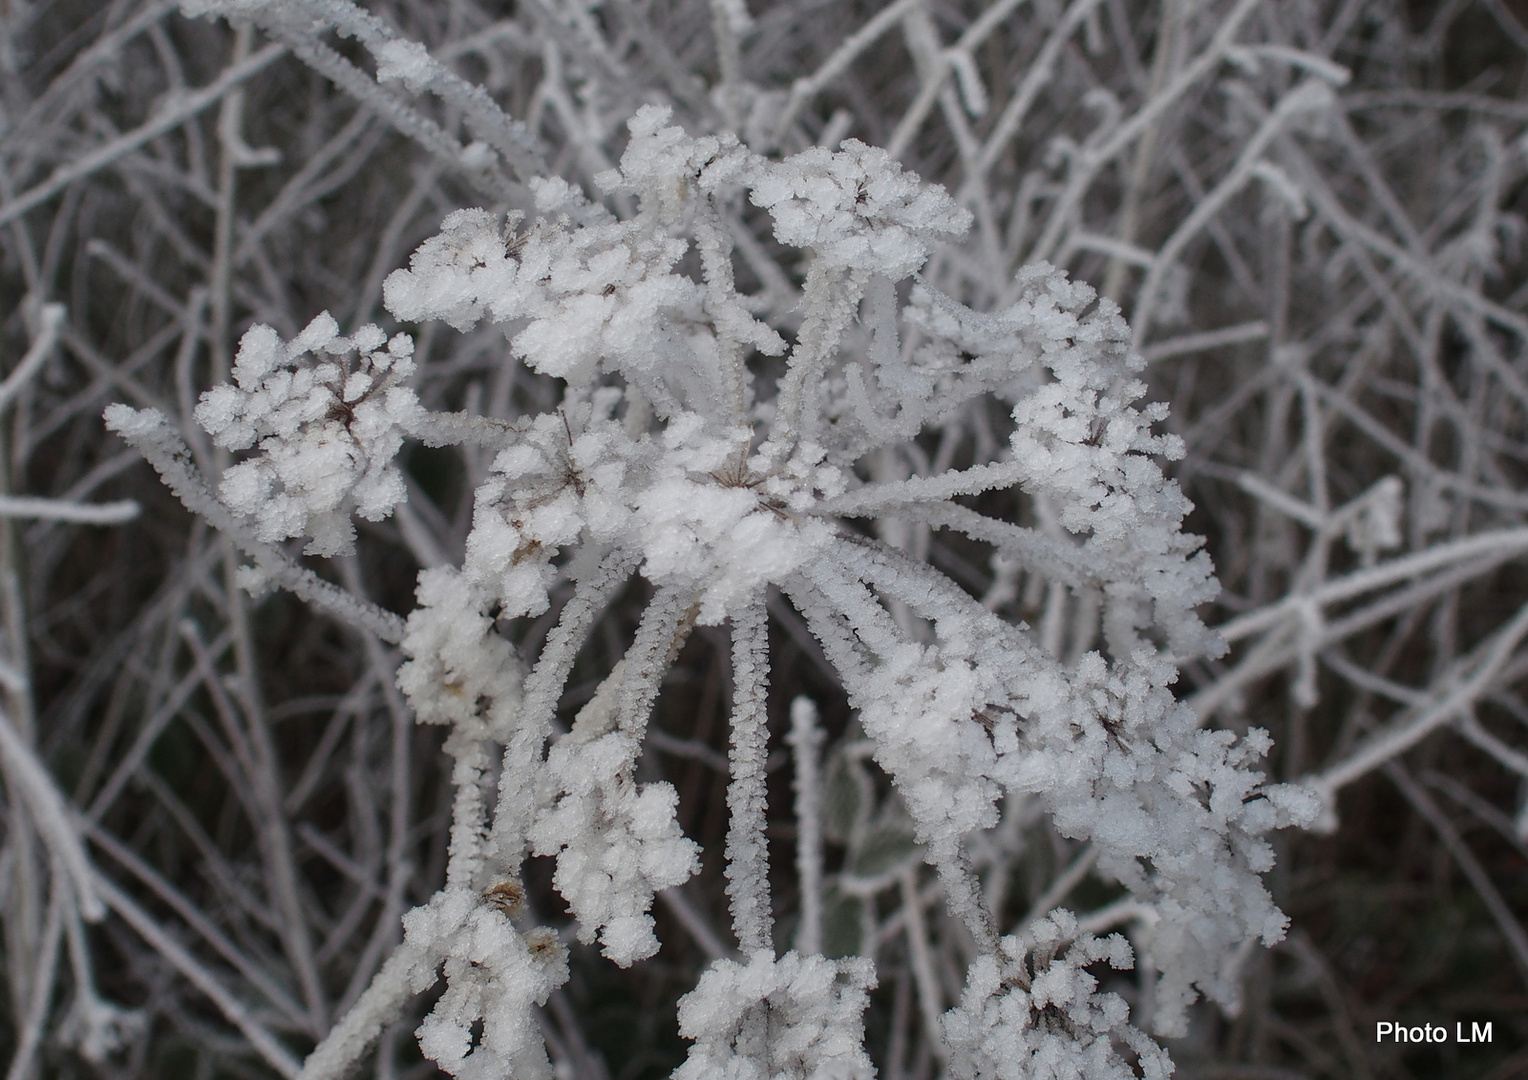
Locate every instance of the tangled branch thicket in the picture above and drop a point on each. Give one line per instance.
(669, 551)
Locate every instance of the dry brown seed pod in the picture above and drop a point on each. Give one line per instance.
(543, 943)
(508, 896)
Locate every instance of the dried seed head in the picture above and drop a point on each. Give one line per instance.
(543, 944)
(508, 896)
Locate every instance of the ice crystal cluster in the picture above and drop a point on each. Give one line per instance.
(790, 1018)
(720, 456)
(1048, 1022)
(325, 412)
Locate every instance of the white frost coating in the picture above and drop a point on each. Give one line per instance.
(1044, 1019)
(669, 454)
(456, 660)
(461, 674)
(856, 209)
(327, 415)
(1080, 442)
(1178, 813)
(682, 500)
(658, 153)
(617, 842)
(494, 976)
(404, 61)
(594, 294)
(812, 1009)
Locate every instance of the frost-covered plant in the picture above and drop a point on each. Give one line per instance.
(1042, 1018)
(325, 412)
(217, 811)
(789, 1018)
(681, 452)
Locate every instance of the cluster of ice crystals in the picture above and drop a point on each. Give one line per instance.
(715, 496)
(462, 674)
(327, 415)
(404, 61)
(525, 510)
(1051, 1024)
(710, 522)
(1177, 812)
(665, 165)
(926, 699)
(795, 1018)
(581, 295)
(604, 295)
(456, 662)
(617, 842)
(456, 273)
(856, 209)
(484, 1025)
(685, 500)
(1080, 443)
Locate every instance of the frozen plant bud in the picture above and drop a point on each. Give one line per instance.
(666, 166)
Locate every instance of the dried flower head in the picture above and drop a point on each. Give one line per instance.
(507, 897)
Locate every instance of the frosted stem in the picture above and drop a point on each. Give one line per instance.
(543, 687)
(831, 297)
(806, 743)
(363, 1024)
(747, 849)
